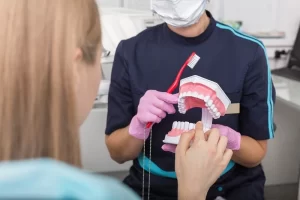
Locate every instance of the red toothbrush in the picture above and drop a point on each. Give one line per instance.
(191, 62)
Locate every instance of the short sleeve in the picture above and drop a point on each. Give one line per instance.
(256, 115)
(120, 103)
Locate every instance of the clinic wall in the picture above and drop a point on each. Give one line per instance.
(257, 15)
(265, 16)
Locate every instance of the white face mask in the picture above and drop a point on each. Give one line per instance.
(179, 13)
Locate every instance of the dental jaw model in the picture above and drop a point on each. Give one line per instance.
(196, 91)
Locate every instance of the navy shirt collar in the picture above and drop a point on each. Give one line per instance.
(192, 40)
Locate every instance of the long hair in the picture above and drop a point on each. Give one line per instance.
(38, 39)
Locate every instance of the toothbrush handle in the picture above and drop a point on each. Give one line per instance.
(149, 124)
(176, 82)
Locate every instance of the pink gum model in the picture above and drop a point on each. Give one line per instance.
(196, 91)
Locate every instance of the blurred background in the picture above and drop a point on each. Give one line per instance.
(274, 22)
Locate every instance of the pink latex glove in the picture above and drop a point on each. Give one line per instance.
(234, 139)
(153, 107)
(169, 147)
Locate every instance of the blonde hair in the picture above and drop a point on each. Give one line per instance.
(38, 39)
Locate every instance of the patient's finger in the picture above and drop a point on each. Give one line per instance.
(227, 156)
(199, 134)
(222, 145)
(184, 142)
(214, 136)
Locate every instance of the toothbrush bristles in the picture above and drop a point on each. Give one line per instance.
(194, 61)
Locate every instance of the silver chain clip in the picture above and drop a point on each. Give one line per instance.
(149, 165)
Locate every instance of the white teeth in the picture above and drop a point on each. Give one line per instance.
(181, 106)
(210, 84)
(212, 109)
(174, 125)
(206, 98)
(192, 126)
(209, 103)
(182, 111)
(186, 126)
(195, 94)
(177, 125)
(181, 125)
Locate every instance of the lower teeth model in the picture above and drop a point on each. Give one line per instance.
(199, 92)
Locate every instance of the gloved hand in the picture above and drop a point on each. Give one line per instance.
(234, 137)
(169, 147)
(153, 107)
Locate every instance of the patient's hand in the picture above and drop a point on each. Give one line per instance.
(200, 164)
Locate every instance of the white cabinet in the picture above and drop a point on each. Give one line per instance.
(95, 156)
(281, 164)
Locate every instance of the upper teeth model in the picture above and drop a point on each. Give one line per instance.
(196, 91)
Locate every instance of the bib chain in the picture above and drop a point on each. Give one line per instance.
(144, 153)
(149, 167)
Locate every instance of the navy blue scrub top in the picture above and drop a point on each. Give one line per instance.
(151, 61)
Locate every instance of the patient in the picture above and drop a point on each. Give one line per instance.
(49, 76)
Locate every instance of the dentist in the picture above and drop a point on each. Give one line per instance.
(147, 64)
